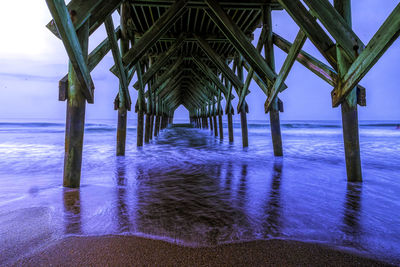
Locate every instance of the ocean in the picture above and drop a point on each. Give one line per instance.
(191, 188)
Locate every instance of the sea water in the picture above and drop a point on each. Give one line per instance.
(189, 187)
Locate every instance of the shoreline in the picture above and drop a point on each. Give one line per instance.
(119, 250)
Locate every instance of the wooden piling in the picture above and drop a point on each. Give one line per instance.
(349, 107)
(229, 111)
(221, 127)
(230, 127)
(243, 114)
(215, 126)
(75, 120)
(157, 126)
(274, 110)
(139, 128)
(211, 124)
(122, 110)
(147, 129)
(121, 131)
(151, 126)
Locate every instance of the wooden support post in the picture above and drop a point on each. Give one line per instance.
(274, 109)
(75, 121)
(211, 124)
(123, 95)
(140, 108)
(121, 131)
(162, 122)
(215, 126)
(157, 126)
(229, 110)
(151, 126)
(139, 128)
(230, 127)
(147, 129)
(221, 127)
(349, 107)
(243, 114)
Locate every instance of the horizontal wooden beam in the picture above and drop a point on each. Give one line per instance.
(380, 42)
(71, 43)
(234, 4)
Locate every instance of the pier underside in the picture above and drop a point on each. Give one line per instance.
(194, 53)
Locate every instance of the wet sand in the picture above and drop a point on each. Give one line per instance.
(136, 251)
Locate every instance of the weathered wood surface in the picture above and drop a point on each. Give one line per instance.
(322, 70)
(287, 65)
(71, 43)
(349, 106)
(380, 42)
(75, 121)
(154, 33)
(270, 59)
(235, 35)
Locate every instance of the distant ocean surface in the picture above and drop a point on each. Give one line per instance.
(190, 188)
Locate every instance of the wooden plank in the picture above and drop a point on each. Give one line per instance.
(380, 42)
(63, 89)
(322, 70)
(312, 29)
(213, 56)
(336, 25)
(162, 60)
(160, 27)
(123, 88)
(239, 41)
(287, 66)
(71, 43)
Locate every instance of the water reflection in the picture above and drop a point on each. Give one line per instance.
(123, 222)
(273, 209)
(72, 211)
(352, 213)
(188, 204)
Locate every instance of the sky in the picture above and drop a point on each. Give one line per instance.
(33, 60)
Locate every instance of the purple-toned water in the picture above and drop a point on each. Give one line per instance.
(188, 187)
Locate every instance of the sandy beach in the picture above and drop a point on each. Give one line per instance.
(136, 251)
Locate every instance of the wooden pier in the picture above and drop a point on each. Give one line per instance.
(194, 52)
